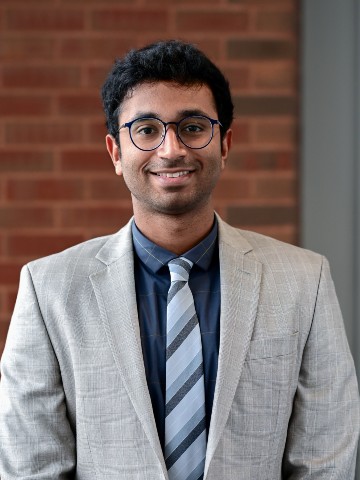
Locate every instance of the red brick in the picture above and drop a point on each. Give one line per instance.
(24, 48)
(129, 20)
(2, 189)
(265, 105)
(45, 19)
(9, 273)
(274, 77)
(183, 2)
(80, 104)
(109, 217)
(249, 216)
(286, 160)
(275, 21)
(25, 217)
(109, 189)
(43, 133)
(24, 105)
(244, 49)
(2, 340)
(41, 245)
(41, 76)
(238, 77)
(261, 160)
(100, 2)
(4, 326)
(96, 132)
(12, 2)
(96, 75)
(241, 132)
(211, 47)
(275, 132)
(45, 189)
(11, 295)
(275, 188)
(25, 160)
(263, 2)
(213, 21)
(231, 189)
(90, 48)
(2, 301)
(85, 160)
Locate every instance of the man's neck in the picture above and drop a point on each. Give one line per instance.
(176, 233)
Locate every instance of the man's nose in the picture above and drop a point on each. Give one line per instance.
(171, 146)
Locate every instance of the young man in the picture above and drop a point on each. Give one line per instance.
(115, 368)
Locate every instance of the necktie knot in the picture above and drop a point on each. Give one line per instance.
(180, 269)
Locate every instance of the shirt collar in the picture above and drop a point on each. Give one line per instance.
(155, 257)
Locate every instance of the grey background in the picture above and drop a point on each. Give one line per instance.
(330, 148)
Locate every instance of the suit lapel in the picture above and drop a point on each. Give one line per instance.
(240, 276)
(114, 288)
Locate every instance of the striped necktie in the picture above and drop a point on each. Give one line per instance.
(185, 425)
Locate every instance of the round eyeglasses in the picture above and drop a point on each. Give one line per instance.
(148, 133)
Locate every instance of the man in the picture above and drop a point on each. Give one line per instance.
(115, 368)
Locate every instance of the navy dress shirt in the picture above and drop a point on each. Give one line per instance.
(152, 281)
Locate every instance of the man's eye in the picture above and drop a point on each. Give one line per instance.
(145, 130)
(191, 128)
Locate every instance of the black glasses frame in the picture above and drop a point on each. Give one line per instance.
(165, 124)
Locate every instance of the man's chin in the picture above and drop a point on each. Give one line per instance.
(171, 204)
(177, 208)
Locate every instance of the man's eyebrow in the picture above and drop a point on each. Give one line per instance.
(143, 114)
(192, 112)
(179, 115)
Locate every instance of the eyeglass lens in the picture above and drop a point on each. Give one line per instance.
(194, 132)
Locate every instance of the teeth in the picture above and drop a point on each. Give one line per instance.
(173, 175)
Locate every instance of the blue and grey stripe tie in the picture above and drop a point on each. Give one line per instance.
(185, 425)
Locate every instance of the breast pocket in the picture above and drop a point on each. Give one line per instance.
(272, 347)
(262, 401)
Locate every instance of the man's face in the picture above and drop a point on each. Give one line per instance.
(147, 174)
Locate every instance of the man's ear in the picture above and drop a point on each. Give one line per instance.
(225, 147)
(114, 151)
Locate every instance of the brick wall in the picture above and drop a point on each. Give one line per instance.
(57, 185)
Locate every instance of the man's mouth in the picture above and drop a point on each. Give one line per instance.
(173, 174)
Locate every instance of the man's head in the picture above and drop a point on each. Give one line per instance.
(170, 110)
(166, 61)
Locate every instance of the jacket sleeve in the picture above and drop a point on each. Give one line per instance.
(36, 441)
(324, 426)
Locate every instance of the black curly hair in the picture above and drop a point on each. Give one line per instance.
(169, 61)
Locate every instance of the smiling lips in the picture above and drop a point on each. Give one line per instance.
(173, 174)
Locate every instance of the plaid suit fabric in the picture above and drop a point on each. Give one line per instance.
(74, 401)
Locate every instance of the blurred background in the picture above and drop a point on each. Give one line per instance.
(293, 173)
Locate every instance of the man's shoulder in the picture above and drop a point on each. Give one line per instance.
(86, 255)
(87, 248)
(268, 250)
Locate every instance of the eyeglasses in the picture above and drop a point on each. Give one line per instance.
(148, 133)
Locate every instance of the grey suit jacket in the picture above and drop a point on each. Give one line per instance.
(74, 401)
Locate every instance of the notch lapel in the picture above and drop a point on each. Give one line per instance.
(114, 288)
(240, 276)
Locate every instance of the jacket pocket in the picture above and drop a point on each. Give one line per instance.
(269, 347)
